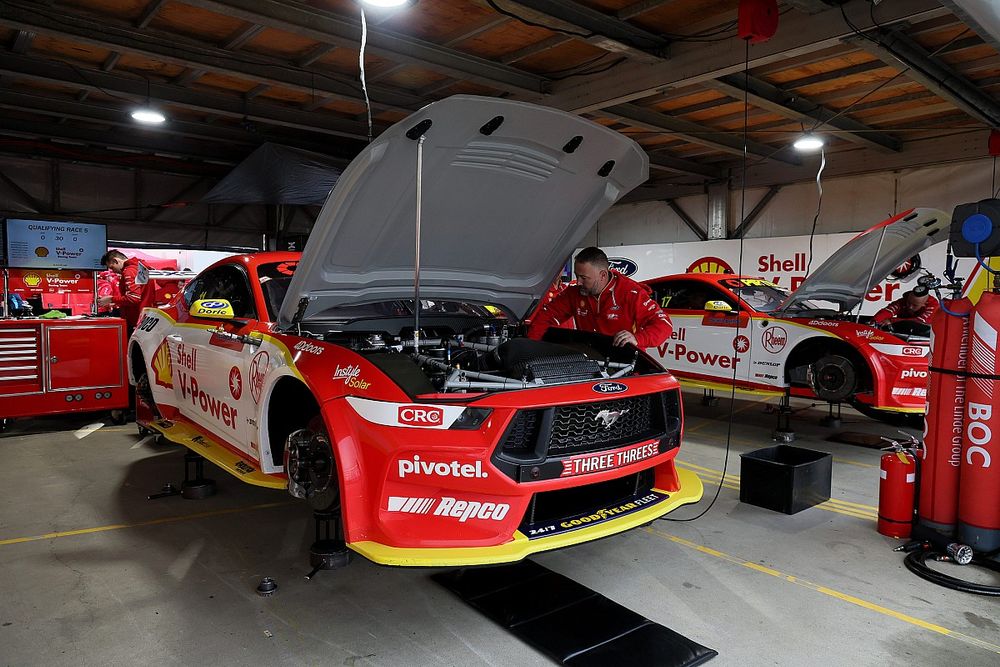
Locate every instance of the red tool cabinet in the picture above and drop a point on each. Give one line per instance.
(60, 366)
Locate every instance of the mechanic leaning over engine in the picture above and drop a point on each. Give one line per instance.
(607, 302)
(916, 304)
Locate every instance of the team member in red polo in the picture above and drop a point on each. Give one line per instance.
(136, 289)
(607, 302)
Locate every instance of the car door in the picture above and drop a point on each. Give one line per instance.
(705, 344)
(210, 363)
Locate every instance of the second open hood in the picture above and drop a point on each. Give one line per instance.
(844, 277)
(509, 189)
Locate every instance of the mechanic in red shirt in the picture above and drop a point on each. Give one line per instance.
(917, 304)
(607, 302)
(136, 289)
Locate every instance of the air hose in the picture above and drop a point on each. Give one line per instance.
(916, 562)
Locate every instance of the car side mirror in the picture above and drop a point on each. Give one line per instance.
(216, 309)
(718, 307)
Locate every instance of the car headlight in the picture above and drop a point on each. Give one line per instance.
(471, 419)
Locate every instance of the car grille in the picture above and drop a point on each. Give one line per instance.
(554, 505)
(585, 428)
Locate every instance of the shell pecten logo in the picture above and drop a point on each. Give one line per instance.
(32, 279)
(163, 370)
(709, 265)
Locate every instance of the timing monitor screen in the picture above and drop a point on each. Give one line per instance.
(49, 244)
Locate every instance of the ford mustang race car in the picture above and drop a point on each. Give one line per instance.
(746, 332)
(380, 371)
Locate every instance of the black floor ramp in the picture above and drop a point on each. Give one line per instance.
(567, 621)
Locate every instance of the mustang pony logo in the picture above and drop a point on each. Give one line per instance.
(609, 417)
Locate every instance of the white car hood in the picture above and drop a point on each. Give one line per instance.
(844, 277)
(500, 212)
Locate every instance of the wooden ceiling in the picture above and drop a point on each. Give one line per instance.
(877, 82)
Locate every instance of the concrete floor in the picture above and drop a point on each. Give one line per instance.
(171, 582)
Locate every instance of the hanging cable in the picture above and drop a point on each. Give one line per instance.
(738, 292)
(819, 206)
(361, 63)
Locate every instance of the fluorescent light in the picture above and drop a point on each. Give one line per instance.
(148, 115)
(808, 142)
(385, 3)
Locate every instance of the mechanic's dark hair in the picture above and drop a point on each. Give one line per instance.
(112, 254)
(919, 290)
(595, 257)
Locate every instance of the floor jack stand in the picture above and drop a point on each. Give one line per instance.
(783, 430)
(191, 489)
(709, 398)
(831, 420)
(328, 552)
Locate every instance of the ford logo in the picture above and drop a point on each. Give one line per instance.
(610, 387)
(623, 265)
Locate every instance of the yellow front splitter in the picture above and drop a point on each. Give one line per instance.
(236, 465)
(520, 547)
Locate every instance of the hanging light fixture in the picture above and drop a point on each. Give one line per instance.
(386, 3)
(147, 113)
(808, 142)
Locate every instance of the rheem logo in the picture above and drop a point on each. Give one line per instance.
(418, 415)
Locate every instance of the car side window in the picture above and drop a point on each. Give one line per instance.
(687, 295)
(224, 282)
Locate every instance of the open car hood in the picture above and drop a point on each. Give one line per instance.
(844, 277)
(502, 207)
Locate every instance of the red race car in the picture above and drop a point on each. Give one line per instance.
(411, 404)
(745, 331)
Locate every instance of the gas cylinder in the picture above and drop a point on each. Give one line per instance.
(979, 477)
(898, 471)
(945, 418)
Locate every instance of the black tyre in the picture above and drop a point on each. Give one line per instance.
(833, 378)
(144, 393)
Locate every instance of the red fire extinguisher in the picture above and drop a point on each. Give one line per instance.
(896, 489)
(979, 482)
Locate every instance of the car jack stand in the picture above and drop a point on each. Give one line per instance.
(831, 420)
(709, 398)
(191, 489)
(328, 552)
(783, 430)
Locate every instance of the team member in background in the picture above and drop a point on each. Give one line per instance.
(917, 304)
(607, 302)
(136, 290)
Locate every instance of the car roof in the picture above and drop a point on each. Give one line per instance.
(254, 260)
(705, 277)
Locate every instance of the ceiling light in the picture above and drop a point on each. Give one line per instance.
(148, 115)
(808, 142)
(385, 3)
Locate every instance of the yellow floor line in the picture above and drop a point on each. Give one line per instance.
(152, 522)
(837, 459)
(871, 606)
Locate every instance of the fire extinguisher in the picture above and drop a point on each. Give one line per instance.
(897, 487)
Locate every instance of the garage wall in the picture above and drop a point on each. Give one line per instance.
(122, 199)
(849, 204)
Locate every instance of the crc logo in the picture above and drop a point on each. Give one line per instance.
(912, 373)
(418, 415)
(913, 351)
(623, 265)
(774, 339)
(609, 417)
(610, 387)
(415, 466)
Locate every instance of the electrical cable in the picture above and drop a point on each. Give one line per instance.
(534, 24)
(916, 563)
(737, 292)
(361, 63)
(819, 206)
(607, 67)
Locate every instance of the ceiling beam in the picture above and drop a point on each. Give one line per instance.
(200, 56)
(687, 219)
(22, 194)
(895, 48)
(768, 96)
(330, 28)
(676, 165)
(754, 215)
(149, 13)
(726, 142)
(217, 103)
(602, 30)
(22, 41)
(696, 62)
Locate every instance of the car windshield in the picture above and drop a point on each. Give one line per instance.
(759, 294)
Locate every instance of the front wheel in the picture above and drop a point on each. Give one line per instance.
(833, 378)
(311, 467)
